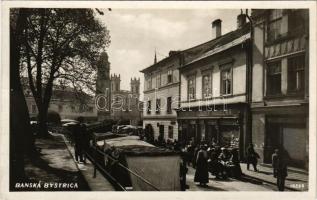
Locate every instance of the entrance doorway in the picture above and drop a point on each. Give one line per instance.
(273, 140)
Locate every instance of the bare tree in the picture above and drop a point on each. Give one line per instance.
(61, 45)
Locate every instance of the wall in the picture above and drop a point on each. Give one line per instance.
(238, 74)
(257, 75)
(163, 93)
(67, 112)
(166, 123)
(258, 134)
(164, 90)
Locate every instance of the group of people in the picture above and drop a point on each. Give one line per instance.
(221, 162)
(224, 162)
(280, 159)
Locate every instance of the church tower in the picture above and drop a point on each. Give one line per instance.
(115, 83)
(135, 86)
(103, 90)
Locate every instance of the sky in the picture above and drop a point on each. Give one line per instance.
(137, 33)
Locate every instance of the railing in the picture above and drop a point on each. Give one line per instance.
(123, 167)
(116, 184)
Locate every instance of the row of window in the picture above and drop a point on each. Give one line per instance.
(158, 80)
(226, 83)
(295, 76)
(158, 106)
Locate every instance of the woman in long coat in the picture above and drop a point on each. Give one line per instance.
(201, 174)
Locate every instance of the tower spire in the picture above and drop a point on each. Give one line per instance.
(155, 59)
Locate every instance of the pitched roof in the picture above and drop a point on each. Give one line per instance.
(218, 49)
(208, 48)
(216, 45)
(172, 55)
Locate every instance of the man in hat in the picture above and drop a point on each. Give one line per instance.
(279, 163)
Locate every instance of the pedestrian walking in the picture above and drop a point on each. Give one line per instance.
(79, 137)
(252, 157)
(201, 173)
(279, 163)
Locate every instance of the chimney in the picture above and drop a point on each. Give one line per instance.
(172, 53)
(241, 20)
(216, 28)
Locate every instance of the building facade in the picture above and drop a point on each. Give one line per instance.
(126, 106)
(66, 103)
(214, 104)
(280, 83)
(161, 97)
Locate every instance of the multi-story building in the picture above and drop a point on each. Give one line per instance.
(161, 97)
(126, 106)
(280, 83)
(214, 79)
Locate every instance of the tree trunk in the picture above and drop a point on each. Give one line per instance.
(43, 131)
(21, 136)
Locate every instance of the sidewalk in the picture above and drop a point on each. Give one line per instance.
(295, 181)
(56, 170)
(98, 183)
(53, 170)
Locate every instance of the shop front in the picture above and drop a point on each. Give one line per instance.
(289, 133)
(217, 128)
(287, 127)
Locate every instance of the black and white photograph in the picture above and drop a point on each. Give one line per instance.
(185, 97)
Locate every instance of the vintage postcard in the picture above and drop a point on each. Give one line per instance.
(121, 99)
